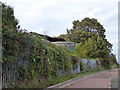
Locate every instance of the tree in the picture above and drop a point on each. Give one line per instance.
(98, 50)
(63, 36)
(8, 18)
(85, 29)
(113, 59)
(90, 32)
(10, 26)
(87, 49)
(94, 49)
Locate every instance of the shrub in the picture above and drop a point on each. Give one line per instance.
(81, 66)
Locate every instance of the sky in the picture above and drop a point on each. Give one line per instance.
(53, 17)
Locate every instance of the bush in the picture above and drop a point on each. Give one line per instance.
(81, 66)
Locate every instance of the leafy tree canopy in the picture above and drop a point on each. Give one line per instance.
(85, 29)
(8, 18)
(90, 35)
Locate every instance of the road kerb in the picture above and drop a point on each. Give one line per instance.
(71, 81)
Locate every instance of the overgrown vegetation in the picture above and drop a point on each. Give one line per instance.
(43, 60)
(81, 66)
(90, 35)
(55, 80)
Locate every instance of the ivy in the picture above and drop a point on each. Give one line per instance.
(81, 66)
(44, 59)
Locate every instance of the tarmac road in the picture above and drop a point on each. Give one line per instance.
(100, 80)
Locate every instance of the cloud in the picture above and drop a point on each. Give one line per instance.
(39, 30)
(54, 16)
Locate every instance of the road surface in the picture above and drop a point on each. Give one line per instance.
(114, 81)
(99, 80)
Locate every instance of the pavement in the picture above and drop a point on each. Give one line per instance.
(98, 80)
(114, 82)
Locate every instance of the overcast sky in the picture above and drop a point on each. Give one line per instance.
(53, 17)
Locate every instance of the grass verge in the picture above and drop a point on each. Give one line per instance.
(54, 80)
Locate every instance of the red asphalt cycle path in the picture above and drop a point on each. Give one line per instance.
(100, 80)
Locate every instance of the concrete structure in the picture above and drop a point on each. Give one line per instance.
(68, 45)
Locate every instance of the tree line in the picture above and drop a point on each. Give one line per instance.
(90, 35)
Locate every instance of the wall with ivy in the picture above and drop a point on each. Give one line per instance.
(84, 65)
(27, 57)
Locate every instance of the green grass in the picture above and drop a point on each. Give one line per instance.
(54, 80)
(66, 77)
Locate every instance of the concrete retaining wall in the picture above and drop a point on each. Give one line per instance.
(88, 66)
(68, 45)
